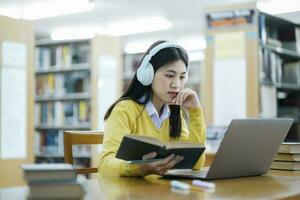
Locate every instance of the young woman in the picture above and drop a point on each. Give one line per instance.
(156, 104)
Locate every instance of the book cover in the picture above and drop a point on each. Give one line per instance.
(133, 148)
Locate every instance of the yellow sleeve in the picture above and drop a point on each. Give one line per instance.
(195, 132)
(119, 123)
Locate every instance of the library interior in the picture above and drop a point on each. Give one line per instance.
(75, 58)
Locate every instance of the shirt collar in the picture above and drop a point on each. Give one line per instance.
(152, 111)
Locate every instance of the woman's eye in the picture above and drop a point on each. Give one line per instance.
(169, 75)
(182, 77)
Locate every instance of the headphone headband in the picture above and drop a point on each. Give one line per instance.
(145, 72)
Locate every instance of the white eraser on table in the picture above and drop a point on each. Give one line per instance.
(204, 184)
(180, 185)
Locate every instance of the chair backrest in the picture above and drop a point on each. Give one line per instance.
(80, 138)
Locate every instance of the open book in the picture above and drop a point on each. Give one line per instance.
(133, 147)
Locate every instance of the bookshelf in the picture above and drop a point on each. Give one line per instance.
(16, 99)
(279, 55)
(131, 63)
(67, 94)
(264, 51)
(62, 97)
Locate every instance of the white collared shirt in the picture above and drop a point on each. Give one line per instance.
(155, 116)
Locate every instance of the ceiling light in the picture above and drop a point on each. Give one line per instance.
(11, 12)
(278, 6)
(47, 9)
(137, 47)
(75, 33)
(138, 26)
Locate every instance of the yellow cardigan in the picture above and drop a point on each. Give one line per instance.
(128, 117)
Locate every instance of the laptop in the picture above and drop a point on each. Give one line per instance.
(247, 149)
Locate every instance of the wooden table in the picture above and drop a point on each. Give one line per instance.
(260, 187)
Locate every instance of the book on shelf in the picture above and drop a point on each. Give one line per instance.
(80, 53)
(285, 165)
(48, 142)
(271, 70)
(287, 157)
(134, 147)
(291, 73)
(274, 42)
(59, 113)
(63, 56)
(45, 173)
(289, 147)
(42, 58)
(297, 38)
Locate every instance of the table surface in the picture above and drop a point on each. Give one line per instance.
(269, 186)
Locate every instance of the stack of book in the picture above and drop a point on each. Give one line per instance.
(52, 181)
(288, 157)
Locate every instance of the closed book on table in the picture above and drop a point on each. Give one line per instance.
(49, 172)
(289, 147)
(285, 165)
(280, 172)
(133, 147)
(288, 157)
(56, 191)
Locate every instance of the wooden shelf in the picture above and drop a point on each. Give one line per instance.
(74, 67)
(65, 127)
(283, 85)
(286, 53)
(53, 155)
(65, 97)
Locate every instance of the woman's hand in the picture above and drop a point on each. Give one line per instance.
(159, 167)
(187, 98)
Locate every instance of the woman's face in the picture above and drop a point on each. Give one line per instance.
(168, 81)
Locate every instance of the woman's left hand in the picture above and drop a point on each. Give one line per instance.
(187, 98)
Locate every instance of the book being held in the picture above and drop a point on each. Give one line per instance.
(134, 147)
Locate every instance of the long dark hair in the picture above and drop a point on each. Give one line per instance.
(142, 94)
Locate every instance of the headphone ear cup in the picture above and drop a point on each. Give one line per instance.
(145, 74)
(149, 74)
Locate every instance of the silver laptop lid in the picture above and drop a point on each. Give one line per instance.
(248, 147)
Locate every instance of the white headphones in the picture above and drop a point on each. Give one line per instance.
(145, 72)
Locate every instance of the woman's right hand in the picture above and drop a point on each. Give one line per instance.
(161, 166)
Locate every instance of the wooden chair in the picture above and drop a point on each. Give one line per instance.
(80, 138)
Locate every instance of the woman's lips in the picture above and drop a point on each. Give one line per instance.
(173, 94)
